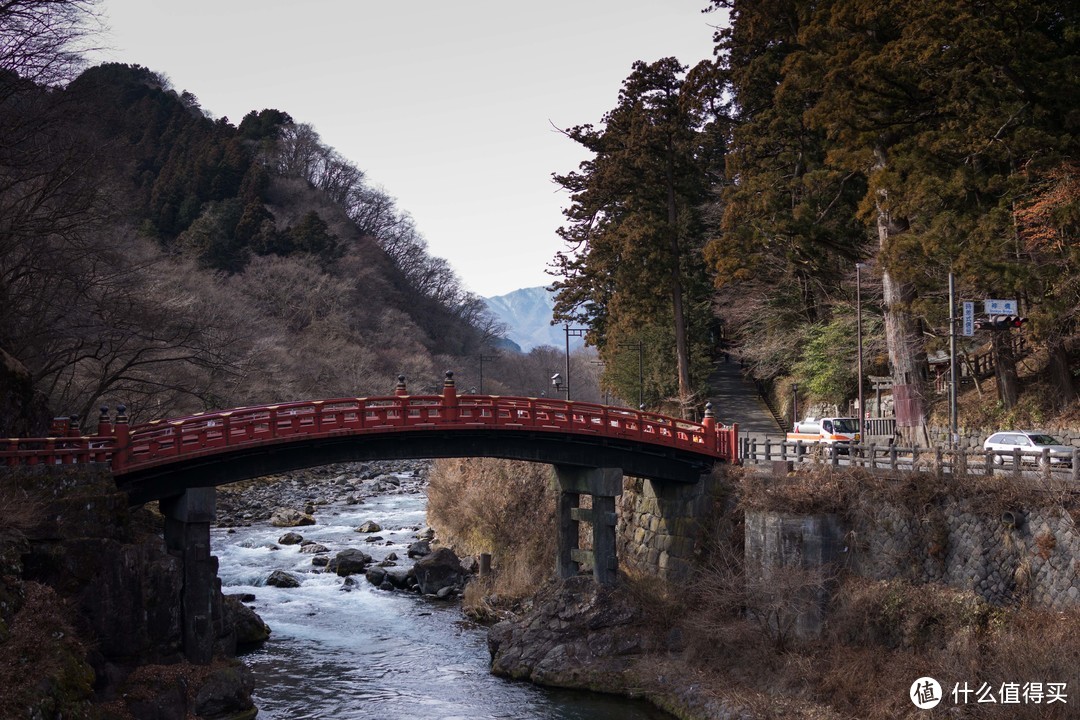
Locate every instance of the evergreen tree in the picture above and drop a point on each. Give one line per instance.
(635, 229)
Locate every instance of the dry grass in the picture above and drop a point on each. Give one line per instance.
(502, 507)
(847, 491)
(880, 637)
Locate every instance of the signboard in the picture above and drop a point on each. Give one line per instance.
(969, 318)
(1000, 307)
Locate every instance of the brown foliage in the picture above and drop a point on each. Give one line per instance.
(503, 507)
(42, 668)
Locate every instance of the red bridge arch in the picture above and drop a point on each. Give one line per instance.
(163, 458)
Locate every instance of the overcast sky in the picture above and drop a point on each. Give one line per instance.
(448, 106)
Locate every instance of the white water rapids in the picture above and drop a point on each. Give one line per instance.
(369, 654)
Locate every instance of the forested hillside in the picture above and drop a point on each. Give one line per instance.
(916, 138)
(153, 256)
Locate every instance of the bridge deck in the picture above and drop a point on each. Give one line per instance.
(151, 449)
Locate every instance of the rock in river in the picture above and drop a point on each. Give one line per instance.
(291, 538)
(282, 579)
(290, 517)
(350, 562)
(441, 569)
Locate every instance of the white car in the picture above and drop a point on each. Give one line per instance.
(1030, 445)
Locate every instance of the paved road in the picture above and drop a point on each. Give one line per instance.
(735, 399)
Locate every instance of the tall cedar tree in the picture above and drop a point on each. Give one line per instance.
(635, 233)
(788, 234)
(948, 117)
(943, 104)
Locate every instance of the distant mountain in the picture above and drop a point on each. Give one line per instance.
(527, 315)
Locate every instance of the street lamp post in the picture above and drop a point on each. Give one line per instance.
(795, 402)
(858, 340)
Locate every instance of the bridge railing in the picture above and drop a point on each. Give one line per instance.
(56, 451)
(163, 441)
(891, 457)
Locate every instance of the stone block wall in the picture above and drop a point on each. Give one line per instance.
(661, 526)
(974, 438)
(1022, 555)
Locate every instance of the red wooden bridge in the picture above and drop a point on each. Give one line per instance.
(165, 457)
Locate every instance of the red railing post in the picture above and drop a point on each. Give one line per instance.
(709, 423)
(450, 398)
(104, 424)
(123, 439)
(401, 390)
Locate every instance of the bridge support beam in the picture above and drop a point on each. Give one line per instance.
(187, 536)
(604, 485)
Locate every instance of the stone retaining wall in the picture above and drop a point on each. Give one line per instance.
(1029, 554)
(661, 526)
(1020, 555)
(975, 438)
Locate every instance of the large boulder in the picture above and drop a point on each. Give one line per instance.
(369, 527)
(290, 538)
(349, 561)
(578, 634)
(419, 549)
(282, 579)
(290, 517)
(226, 694)
(441, 569)
(249, 627)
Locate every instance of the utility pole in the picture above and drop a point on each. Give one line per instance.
(484, 357)
(571, 332)
(953, 429)
(858, 339)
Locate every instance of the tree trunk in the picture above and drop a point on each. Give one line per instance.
(682, 350)
(903, 335)
(1005, 367)
(1061, 373)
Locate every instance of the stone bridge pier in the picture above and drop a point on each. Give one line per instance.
(604, 485)
(187, 536)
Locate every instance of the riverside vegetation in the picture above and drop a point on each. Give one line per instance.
(720, 644)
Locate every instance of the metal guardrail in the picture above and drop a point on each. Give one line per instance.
(872, 456)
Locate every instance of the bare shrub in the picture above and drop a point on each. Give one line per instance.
(885, 634)
(734, 602)
(502, 507)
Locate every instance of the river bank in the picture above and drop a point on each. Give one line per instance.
(344, 647)
(570, 635)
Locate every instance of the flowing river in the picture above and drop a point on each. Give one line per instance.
(351, 652)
